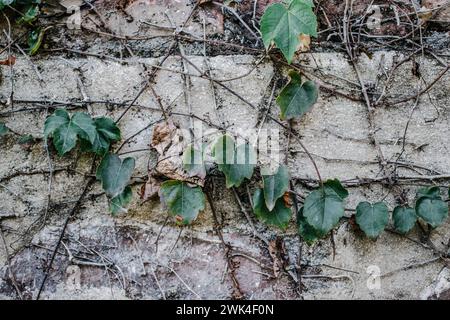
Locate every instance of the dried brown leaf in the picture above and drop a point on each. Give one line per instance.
(169, 142)
(10, 61)
(150, 189)
(305, 43)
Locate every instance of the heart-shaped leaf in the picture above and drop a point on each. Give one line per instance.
(429, 192)
(283, 23)
(372, 218)
(275, 186)
(433, 211)
(297, 98)
(279, 216)
(404, 218)
(306, 231)
(115, 174)
(323, 208)
(119, 204)
(237, 163)
(182, 201)
(337, 187)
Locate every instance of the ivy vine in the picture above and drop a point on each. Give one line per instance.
(282, 25)
(27, 12)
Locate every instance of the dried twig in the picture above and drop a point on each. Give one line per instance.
(11, 274)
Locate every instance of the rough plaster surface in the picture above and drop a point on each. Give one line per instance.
(123, 261)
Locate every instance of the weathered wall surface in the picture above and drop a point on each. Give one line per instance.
(105, 257)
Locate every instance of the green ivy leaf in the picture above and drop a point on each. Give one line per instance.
(429, 192)
(107, 128)
(115, 174)
(372, 218)
(433, 211)
(3, 129)
(96, 135)
(65, 129)
(279, 216)
(284, 23)
(275, 186)
(297, 98)
(323, 208)
(182, 201)
(84, 125)
(58, 118)
(237, 163)
(119, 204)
(193, 162)
(106, 132)
(308, 233)
(404, 218)
(65, 139)
(337, 187)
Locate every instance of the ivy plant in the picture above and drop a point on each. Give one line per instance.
(305, 230)
(404, 218)
(236, 162)
(114, 174)
(430, 206)
(34, 41)
(275, 186)
(119, 203)
(324, 207)
(106, 133)
(182, 201)
(283, 23)
(66, 130)
(278, 216)
(28, 11)
(297, 97)
(95, 135)
(372, 218)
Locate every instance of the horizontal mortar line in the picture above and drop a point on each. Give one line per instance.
(366, 180)
(326, 159)
(365, 140)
